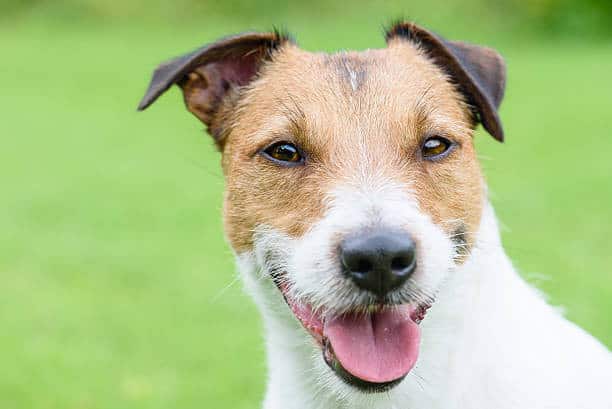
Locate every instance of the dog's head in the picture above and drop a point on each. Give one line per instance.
(351, 178)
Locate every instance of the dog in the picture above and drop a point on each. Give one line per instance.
(359, 218)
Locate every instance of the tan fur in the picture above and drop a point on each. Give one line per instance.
(353, 113)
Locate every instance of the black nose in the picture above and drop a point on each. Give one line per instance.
(379, 261)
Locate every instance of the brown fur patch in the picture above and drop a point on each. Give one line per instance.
(376, 128)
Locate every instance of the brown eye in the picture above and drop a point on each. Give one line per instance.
(284, 152)
(436, 148)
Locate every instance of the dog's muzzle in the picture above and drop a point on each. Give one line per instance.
(374, 345)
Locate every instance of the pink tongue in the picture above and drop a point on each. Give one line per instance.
(379, 347)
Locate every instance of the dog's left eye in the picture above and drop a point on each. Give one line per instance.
(284, 152)
(436, 148)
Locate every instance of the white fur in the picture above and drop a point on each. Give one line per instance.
(489, 341)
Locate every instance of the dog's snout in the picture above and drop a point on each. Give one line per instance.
(379, 261)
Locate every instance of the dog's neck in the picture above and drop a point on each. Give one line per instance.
(297, 374)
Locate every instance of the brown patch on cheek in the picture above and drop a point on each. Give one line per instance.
(451, 192)
(289, 200)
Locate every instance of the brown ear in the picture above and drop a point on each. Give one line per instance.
(209, 73)
(479, 72)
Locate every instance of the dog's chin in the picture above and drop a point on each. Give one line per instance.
(371, 349)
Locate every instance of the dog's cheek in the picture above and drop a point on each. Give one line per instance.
(435, 259)
(314, 268)
(255, 280)
(258, 192)
(249, 273)
(452, 194)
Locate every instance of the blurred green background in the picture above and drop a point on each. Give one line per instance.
(117, 290)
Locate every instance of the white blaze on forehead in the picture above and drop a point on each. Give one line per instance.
(369, 205)
(355, 76)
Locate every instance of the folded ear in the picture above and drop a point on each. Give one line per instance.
(479, 72)
(208, 74)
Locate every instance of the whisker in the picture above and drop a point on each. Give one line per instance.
(223, 290)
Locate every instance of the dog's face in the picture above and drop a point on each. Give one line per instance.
(351, 179)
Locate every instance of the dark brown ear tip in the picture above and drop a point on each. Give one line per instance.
(400, 28)
(147, 100)
(494, 128)
(142, 106)
(499, 136)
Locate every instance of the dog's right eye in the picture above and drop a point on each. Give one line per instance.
(436, 148)
(284, 152)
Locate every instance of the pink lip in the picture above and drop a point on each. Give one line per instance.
(377, 347)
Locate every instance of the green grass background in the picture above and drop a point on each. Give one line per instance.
(116, 287)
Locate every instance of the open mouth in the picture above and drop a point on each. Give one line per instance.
(372, 350)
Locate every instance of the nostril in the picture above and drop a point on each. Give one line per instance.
(400, 263)
(363, 265)
(356, 262)
(404, 259)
